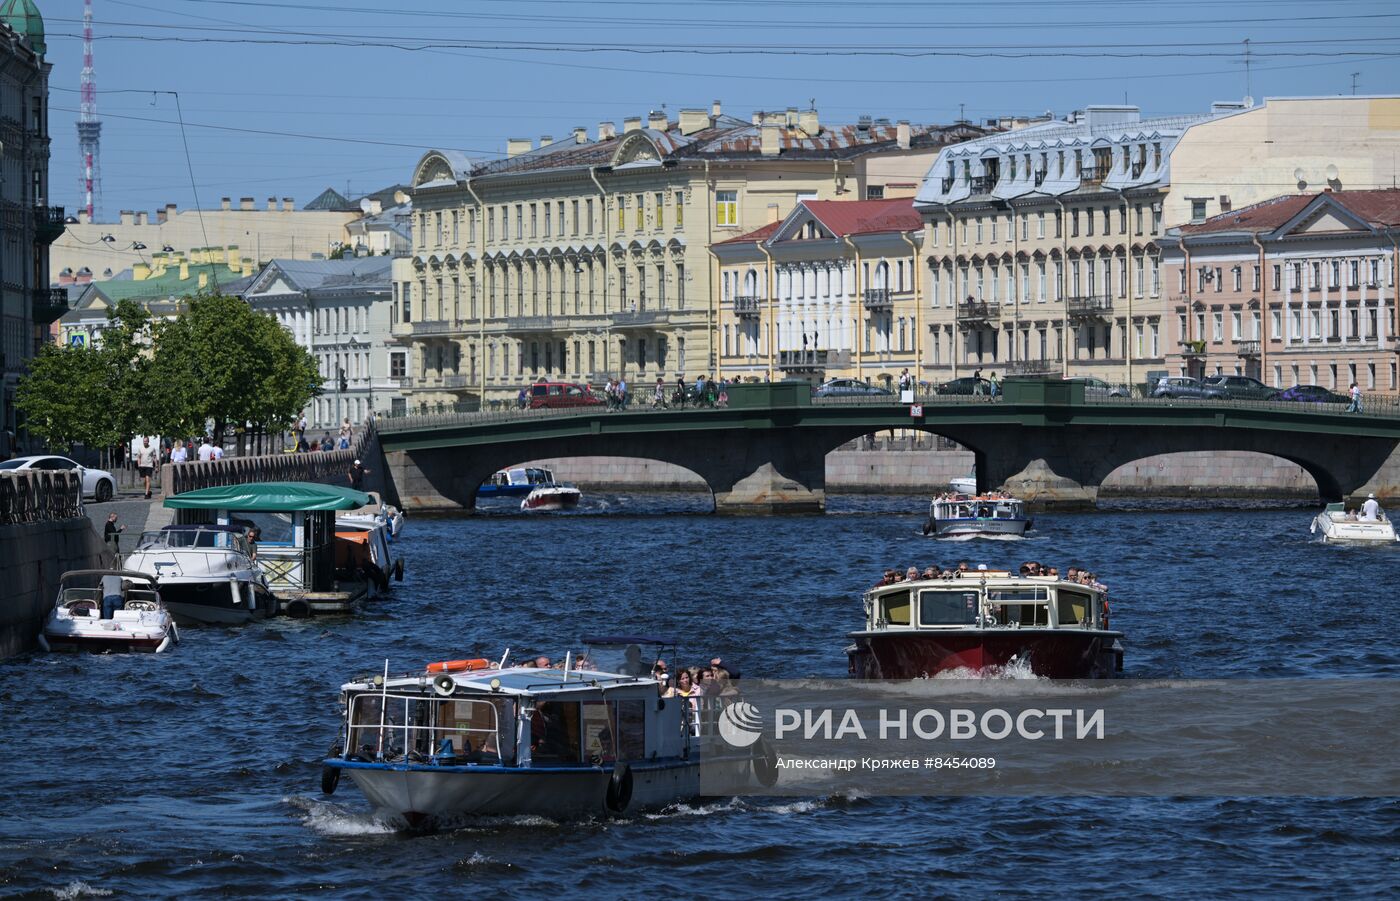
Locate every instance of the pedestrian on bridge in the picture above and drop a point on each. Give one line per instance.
(1355, 405)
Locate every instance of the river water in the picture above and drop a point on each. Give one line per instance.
(197, 772)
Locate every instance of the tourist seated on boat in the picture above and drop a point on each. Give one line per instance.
(1053, 572)
(911, 574)
(632, 665)
(542, 662)
(932, 572)
(963, 569)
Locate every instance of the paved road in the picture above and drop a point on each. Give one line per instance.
(134, 512)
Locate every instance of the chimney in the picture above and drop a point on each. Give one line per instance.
(631, 123)
(65, 278)
(791, 118)
(140, 217)
(771, 140)
(901, 133)
(809, 123)
(580, 135)
(517, 146)
(184, 270)
(546, 140)
(231, 256)
(140, 272)
(693, 120)
(203, 280)
(757, 117)
(772, 213)
(127, 217)
(272, 204)
(226, 204)
(245, 203)
(375, 207)
(657, 121)
(714, 109)
(606, 131)
(288, 205)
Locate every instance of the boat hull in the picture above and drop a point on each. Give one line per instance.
(551, 499)
(1354, 531)
(213, 603)
(947, 528)
(74, 644)
(1052, 653)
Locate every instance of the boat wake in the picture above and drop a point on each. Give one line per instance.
(332, 820)
(1016, 670)
(970, 537)
(79, 890)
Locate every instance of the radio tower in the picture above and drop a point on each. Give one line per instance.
(89, 128)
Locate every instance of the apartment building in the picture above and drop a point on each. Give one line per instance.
(1297, 289)
(830, 291)
(589, 257)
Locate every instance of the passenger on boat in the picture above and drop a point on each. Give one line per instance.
(633, 665)
(542, 662)
(911, 574)
(717, 664)
(932, 572)
(1053, 572)
(1370, 511)
(963, 569)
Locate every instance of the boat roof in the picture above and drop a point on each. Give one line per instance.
(978, 577)
(124, 573)
(203, 527)
(519, 681)
(270, 497)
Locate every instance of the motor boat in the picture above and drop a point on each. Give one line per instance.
(375, 512)
(108, 611)
(515, 482)
(363, 551)
(206, 573)
(959, 515)
(986, 622)
(552, 497)
(461, 738)
(964, 484)
(1337, 526)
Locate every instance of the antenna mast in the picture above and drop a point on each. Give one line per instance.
(89, 127)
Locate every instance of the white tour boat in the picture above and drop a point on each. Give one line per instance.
(552, 497)
(1340, 527)
(206, 573)
(957, 515)
(375, 512)
(108, 610)
(462, 738)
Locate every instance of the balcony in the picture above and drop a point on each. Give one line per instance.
(802, 360)
(1247, 348)
(1039, 177)
(1093, 175)
(532, 324)
(948, 184)
(1193, 350)
(983, 184)
(636, 319)
(49, 305)
(455, 381)
(1090, 307)
(878, 299)
(48, 223)
(974, 311)
(441, 327)
(747, 306)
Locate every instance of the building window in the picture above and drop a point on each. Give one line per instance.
(588, 220)
(680, 209)
(1059, 224)
(874, 192)
(726, 208)
(1277, 277)
(398, 365)
(660, 211)
(979, 229)
(1040, 224)
(1198, 210)
(491, 225)
(548, 221)
(641, 211)
(520, 221)
(573, 207)
(1217, 330)
(1238, 277)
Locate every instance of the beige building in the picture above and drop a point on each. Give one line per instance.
(1296, 290)
(589, 257)
(829, 292)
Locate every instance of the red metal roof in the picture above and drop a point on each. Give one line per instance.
(1380, 208)
(755, 236)
(866, 217)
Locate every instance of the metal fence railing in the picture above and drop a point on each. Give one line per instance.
(1381, 406)
(44, 495)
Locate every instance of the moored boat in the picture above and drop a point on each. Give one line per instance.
(108, 611)
(377, 511)
(471, 737)
(964, 484)
(517, 481)
(552, 497)
(966, 515)
(206, 573)
(1337, 526)
(986, 621)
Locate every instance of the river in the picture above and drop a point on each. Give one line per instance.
(196, 772)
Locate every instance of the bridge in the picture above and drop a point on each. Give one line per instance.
(764, 452)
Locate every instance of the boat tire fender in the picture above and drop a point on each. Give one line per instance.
(398, 570)
(297, 608)
(330, 778)
(765, 764)
(619, 789)
(928, 527)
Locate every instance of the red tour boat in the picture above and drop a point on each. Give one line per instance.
(984, 621)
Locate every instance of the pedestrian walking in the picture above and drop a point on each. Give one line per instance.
(358, 471)
(206, 450)
(146, 463)
(300, 429)
(216, 452)
(659, 398)
(996, 386)
(1355, 405)
(622, 392)
(347, 432)
(112, 534)
(977, 388)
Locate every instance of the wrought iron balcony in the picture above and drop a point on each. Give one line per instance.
(948, 184)
(639, 318)
(1247, 348)
(878, 299)
(532, 324)
(802, 360)
(1089, 307)
(49, 304)
(747, 306)
(978, 311)
(48, 223)
(983, 184)
(1093, 175)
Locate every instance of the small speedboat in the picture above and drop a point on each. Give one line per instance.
(964, 484)
(517, 481)
(375, 512)
(1337, 526)
(206, 573)
(968, 515)
(551, 497)
(108, 611)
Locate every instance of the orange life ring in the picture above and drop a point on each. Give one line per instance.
(457, 666)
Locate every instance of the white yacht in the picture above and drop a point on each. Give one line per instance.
(207, 573)
(1337, 526)
(105, 611)
(968, 515)
(558, 496)
(377, 511)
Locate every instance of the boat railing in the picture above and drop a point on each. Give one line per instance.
(397, 737)
(284, 567)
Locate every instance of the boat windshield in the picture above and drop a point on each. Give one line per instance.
(629, 655)
(948, 607)
(206, 539)
(418, 728)
(1019, 606)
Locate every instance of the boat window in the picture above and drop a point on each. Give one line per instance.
(894, 609)
(1072, 607)
(629, 718)
(555, 732)
(947, 607)
(1027, 606)
(469, 728)
(426, 727)
(1025, 593)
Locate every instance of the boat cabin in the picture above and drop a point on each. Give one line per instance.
(196, 537)
(986, 599)
(970, 506)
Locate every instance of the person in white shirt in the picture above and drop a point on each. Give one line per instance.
(146, 462)
(179, 453)
(1371, 510)
(205, 450)
(216, 452)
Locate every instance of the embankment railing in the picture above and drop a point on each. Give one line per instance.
(40, 496)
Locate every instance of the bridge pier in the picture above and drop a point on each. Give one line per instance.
(774, 473)
(1044, 489)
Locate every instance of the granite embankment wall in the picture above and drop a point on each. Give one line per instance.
(917, 471)
(43, 534)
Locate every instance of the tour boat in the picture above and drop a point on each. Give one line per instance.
(107, 611)
(515, 482)
(206, 573)
(461, 738)
(551, 497)
(986, 622)
(973, 514)
(1340, 527)
(375, 512)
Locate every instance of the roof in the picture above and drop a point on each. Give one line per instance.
(170, 284)
(313, 275)
(330, 199)
(270, 497)
(1379, 208)
(755, 236)
(866, 217)
(23, 16)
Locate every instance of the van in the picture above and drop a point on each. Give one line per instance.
(545, 395)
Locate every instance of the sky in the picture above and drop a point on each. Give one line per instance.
(288, 98)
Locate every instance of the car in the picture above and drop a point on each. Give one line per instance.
(1311, 394)
(847, 388)
(98, 484)
(553, 395)
(1239, 387)
(965, 385)
(1174, 386)
(1099, 388)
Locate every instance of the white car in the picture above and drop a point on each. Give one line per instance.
(98, 484)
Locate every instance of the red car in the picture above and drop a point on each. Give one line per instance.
(561, 394)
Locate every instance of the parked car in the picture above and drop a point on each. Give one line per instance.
(1183, 386)
(98, 484)
(1310, 394)
(561, 394)
(847, 388)
(965, 385)
(1099, 388)
(1239, 387)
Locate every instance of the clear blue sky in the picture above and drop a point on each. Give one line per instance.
(282, 77)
